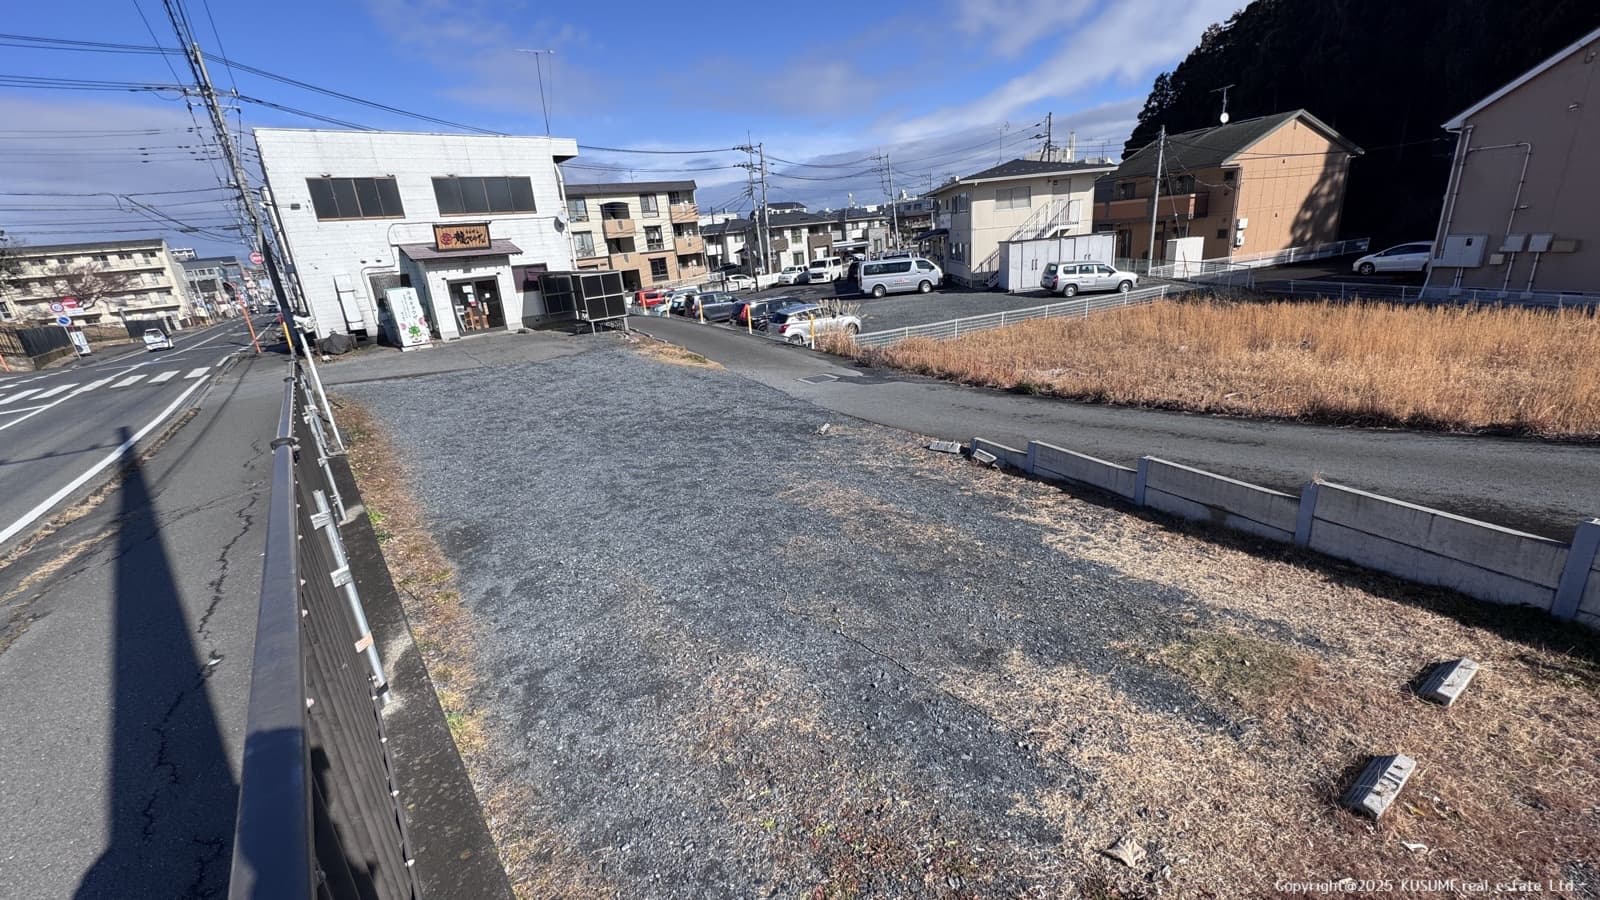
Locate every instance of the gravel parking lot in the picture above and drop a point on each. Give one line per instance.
(723, 652)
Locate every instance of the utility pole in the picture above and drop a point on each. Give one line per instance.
(1155, 196)
(762, 222)
(1049, 147)
(894, 202)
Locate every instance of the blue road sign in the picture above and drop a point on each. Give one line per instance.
(63, 321)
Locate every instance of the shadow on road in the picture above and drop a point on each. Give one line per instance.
(171, 795)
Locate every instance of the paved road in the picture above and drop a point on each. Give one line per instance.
(58, 426)
(1540, 487)
(125, 646)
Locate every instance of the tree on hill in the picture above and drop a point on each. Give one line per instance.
(1386, 74)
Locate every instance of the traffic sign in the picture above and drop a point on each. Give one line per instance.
(256, 257)
(56, 307)
(69, 302)
(63, 321)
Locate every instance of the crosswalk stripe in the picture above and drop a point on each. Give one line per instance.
(164, 376)
(19, 395)
(56, 390)
(131, 379)
(92, 386)
(196, 373)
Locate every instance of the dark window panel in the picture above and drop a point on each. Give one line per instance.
(522, 195)
(389, 197)
(367, 194)
(448, 192)
(499, 194)
(322, 198)
(344, 194)
(473, 197)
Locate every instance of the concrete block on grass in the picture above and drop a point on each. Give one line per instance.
(1010, 457)
(984, 457)
(1379, 784)
(945, 446)
(1447, 680)
(1054, 463)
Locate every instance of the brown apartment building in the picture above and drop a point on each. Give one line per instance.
(1249, 188)
(1519, 206)
(647, 230)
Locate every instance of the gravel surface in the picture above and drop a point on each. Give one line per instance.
(727, 653)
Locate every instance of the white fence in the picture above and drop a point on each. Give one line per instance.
(1079, 307)
(1244, 261)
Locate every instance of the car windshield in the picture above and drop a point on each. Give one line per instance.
(153, 332)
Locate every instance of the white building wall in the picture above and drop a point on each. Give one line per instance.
(323, 251)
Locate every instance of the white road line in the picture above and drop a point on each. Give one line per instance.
(57, 389)
(130, 380)
(164, 376)
(196, 373)
(19, 396)
(93, 385)
(49, 502)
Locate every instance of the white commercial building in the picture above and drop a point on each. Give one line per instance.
(467, 220)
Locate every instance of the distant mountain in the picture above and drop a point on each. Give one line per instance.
(1385, 73)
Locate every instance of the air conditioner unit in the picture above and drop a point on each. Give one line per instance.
(1514, 243)
(1242, 224)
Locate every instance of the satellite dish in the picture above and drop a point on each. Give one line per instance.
(561, 224)
(1224, 118)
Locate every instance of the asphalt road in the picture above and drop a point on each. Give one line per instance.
(902, 310)
(1536, 486)
(125, 648)
(58, 426)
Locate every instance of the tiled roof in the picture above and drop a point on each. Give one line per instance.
(1215, 146)
(627, 188)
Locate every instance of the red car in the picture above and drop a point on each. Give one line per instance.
(649, 299)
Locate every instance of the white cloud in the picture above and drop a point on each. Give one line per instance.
(1011, 26)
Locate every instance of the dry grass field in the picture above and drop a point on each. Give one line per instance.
(1452, 369)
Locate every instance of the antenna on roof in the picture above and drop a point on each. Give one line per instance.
(1224, 92)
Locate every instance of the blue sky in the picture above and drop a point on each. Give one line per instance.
(945, 87)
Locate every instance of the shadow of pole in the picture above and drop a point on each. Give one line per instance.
(171, 796)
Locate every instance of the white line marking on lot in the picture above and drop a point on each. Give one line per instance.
(163, 377)
(57, 389)
(49, 502)
(18, 396)
(196, 373)
(130, 380)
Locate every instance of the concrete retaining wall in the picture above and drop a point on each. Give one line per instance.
(1053, 463)
(1428, 546)
(1202, 496)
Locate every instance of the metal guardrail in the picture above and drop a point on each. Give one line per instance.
(1237, 262)
(319, 813)
(1080, 307)
(1442, 296)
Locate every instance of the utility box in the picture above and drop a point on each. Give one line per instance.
(1463, 251)
(589, 296)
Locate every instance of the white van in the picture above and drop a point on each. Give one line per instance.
(824, 269)
(891, 276)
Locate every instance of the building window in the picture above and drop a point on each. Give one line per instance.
(647, 205)
(5, 310)
(677, 197)
(1222, 234)
(652, 237)
(583, 242)
(577, 209)
(1013, 198)
(355, 198)
(1229, 176)
(1125, 190)
(658, 269)
(481, 196)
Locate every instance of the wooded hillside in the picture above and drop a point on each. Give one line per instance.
(1386, 73)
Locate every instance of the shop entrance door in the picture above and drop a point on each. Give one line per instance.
(477, 305)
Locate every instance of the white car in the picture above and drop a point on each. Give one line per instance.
(1412, 257)
(799, 324)
(156, 339)
(791, 274)
(1068, 278)
(739, 283)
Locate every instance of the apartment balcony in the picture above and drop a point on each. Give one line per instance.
(1182, 206)
(691, 243)
(617, 228)
(683, 213)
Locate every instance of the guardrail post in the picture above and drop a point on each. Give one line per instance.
(1139, 478)
(1575, 575)
(1306, 514)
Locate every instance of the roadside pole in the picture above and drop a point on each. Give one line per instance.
(1155, 199)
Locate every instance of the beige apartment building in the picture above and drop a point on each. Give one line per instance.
(1249, 188)
(104, 283)
(1018, 200)
(1519, 206)
(647, 230)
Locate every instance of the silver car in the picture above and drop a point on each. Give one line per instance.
(889, 276)
(1068, 278)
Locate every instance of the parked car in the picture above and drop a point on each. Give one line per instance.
(649, 299)
(791, 274)
(739, 283)
(891, 276)
(1412, 257)
(760, 310)
(156, 339)
(823, 270)
(1068, 278)
(729, 268)
(797, 324)
(680, 299)
(714, 306)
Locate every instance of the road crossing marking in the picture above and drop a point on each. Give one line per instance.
(196, 373)
(93, 385)
(131, 379)
(18, 396)
(56, 390)
(163, 377)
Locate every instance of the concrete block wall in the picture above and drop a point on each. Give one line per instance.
(1428, 546)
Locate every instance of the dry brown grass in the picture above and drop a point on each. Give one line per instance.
(1453, 369)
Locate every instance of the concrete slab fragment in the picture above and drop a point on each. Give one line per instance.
(985, 457)
(945, 446)
(1448, 680)
(1379, 784)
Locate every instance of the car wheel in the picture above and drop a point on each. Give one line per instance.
(1070, 290)
(1367, 268)
(1125, 286)
(797, 339)
(878, 291)
(925, 287)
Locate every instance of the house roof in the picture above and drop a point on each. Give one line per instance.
(29, 250)
(1025, 168)
(626, 188)
(421, 252)
(201, 262)
(791, 219)
(1206, 148)
(738, 226)
(786, 205)
(1460, 120)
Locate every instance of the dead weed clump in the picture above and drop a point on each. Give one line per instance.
(1509, 370)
